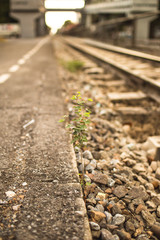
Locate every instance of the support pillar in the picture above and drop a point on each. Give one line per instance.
(88, 21)
(41, 26)
(142, 28)
(31, 16)
(27, 23)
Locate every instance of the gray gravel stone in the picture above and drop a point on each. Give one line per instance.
(151, 204)
(131, 207)
(121, 178)
(104, 155)
(120, 191)
(116, 209)
(111, 202)
(101, 196)
(99, 177)
(156, 230)
(106, 235)
(86, 162)
(111, 182)
(91, 201)
(138, 192)
(87, 154)
(158, 211)
(149, 186)
(91, 166)
(137, 201)
(91, 208)
(154, 165)
(158, 173)
(87, 179)
(142, 237)
(100, 208)
(103, 223)
(94, 226)
(114, 161)
(156, 200)
(96, 155)
(108, 217)
(118, 219)
(139, 167)
(123, 234)
(124, 155)
(96, 234)
(102, 164)
(115, 237)
(130, 226)
(148, 217)
(80, 168)
(130, 162)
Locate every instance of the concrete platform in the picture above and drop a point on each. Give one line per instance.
(132, 110)
(37, 160)
(88, 65)
(94, 70)
(116, 83)
(124, 96)
(103, 77)
(107, 84)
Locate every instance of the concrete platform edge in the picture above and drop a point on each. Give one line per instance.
(87, 231)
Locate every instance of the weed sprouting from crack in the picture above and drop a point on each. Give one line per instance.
(78, 126)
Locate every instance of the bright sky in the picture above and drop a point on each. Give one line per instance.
(56, 19)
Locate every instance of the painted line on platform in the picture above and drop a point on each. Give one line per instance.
(14, 68)
(35, 49)
(21, 61)
(4, 77)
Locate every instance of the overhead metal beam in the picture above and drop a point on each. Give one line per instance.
(116, 21)
(121, 6)
(64, 9)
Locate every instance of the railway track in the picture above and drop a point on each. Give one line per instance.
(129, 95)
(124, 141)
(143, 69)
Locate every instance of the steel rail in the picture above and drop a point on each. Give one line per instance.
(121, 50)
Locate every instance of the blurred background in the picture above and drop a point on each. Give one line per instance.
(121, 22)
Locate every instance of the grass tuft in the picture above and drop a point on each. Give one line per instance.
(73, 66)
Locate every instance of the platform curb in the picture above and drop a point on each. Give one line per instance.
(80, 201)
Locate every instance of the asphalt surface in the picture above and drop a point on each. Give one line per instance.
(36, 159)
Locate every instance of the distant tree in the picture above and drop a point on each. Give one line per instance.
(67, 22)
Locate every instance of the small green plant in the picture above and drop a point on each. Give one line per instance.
(78, 126)
(73, 66)
(88, 184)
